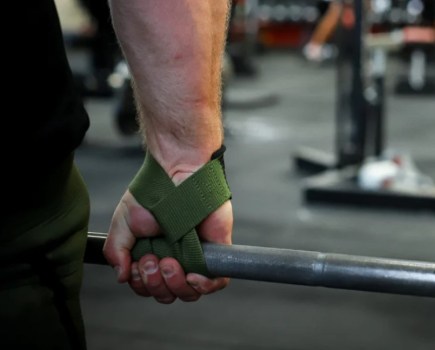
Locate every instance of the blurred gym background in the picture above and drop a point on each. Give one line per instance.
(306, 98)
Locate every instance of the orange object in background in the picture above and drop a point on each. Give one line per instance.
(348, 17)
(284, 35)
(422, 35)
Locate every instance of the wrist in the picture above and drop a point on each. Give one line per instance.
(182, 172)
(182, 159)
(184, 163)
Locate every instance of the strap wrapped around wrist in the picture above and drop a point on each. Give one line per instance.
(179, 209)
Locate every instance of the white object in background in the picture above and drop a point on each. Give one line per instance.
(376, 175)
(395, 172)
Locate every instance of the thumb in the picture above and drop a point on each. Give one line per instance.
(217, 227)
(129, 222)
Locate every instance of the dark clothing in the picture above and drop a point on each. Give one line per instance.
(47, 119)
(104, 47)
(43, 229)
(41, 266)
(428, 15)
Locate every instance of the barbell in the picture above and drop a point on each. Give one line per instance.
(308, 268)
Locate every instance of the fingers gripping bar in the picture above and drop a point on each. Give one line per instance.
(307, 268)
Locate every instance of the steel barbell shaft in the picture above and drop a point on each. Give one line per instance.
(307, 268)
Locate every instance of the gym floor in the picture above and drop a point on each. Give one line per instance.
(296, 109)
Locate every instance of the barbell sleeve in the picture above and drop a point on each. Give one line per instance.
(308, 268)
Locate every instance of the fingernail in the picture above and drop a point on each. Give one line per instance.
(194, 279)
(149, 267)
(194, 284)
(167, 271)
(135, 275)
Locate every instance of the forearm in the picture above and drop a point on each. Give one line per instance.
(327, 24)
(174, 51)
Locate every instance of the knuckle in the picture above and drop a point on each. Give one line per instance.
(189, 299)
(165, 300)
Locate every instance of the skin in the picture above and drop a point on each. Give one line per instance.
(174, 50)
(327, 25)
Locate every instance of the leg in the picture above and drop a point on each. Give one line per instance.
(41, 280)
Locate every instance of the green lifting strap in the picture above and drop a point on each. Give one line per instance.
(178, 210)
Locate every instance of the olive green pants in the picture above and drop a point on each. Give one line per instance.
(41, 264)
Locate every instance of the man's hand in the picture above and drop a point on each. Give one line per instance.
(162, 279)
(176, 70)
